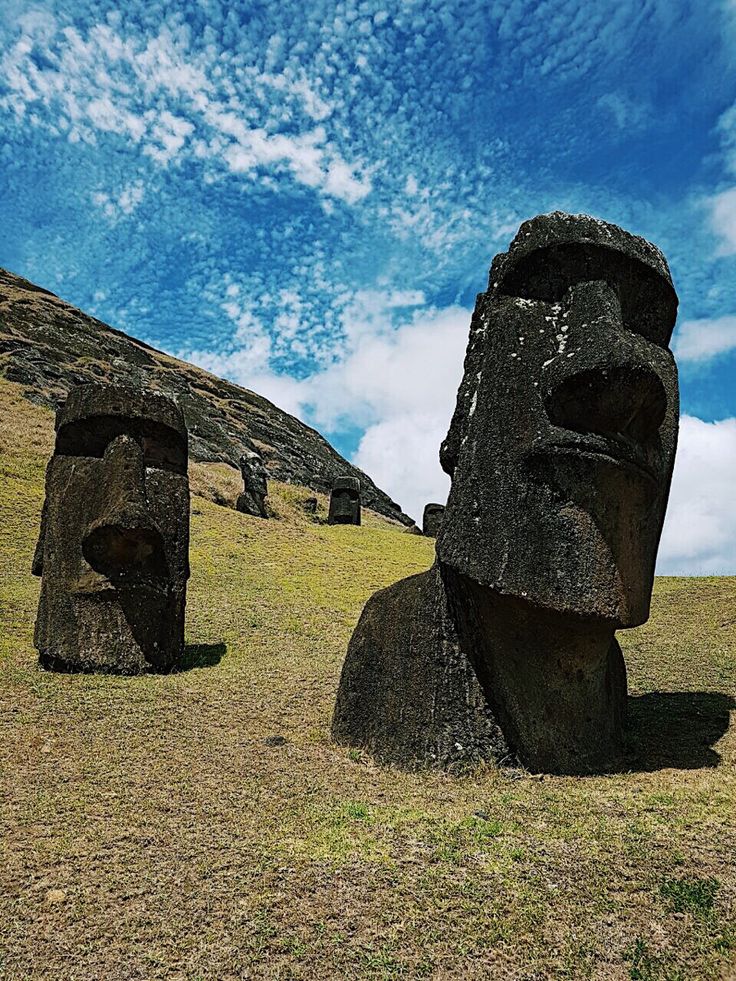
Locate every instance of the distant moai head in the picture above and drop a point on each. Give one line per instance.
(345, 502)
(113, 552)
(562, 443)
(255, 485)
(432, 519)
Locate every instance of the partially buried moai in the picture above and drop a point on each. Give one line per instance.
(255, 485)
(113, 552)
(560, 453)
(344, 502)
(432, 519)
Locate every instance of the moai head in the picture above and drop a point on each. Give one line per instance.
(563, 439)
(432, 519)
(114, 546)
(345, 502)
(255, 485)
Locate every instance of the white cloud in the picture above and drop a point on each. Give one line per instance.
(397, 379)
(402, 456)
(723, 219)
(701, 340)
(175, 102)
(117, 205)
(699, 536)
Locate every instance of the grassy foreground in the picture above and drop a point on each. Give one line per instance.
(154, 827)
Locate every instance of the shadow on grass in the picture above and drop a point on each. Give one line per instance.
(676, 729)
(201, 656)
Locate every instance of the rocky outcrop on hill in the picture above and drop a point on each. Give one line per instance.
(48, 346)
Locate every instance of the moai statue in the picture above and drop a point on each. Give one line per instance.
(344, 502)
(432, 519)
(560, 453)
(255, 486)
(113, 552)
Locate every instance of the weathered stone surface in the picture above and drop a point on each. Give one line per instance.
(255, 486)
(432, 519)
(560, 453)
(113, 551)
(413, 530)
(49, 346)
(345, 502)
(408, 692)
(310, 505)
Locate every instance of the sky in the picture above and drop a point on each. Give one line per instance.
(306, 198)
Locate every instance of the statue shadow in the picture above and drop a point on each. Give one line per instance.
(201, 656)
(676, 729)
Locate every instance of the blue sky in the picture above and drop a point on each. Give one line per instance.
(307, 200)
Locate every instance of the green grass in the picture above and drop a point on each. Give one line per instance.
(154, 828)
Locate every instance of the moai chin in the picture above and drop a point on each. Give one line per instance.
(560, 454)
(113, 553)
(344, 502)
(432, 519)
(255, 485)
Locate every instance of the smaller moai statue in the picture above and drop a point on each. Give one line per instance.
(432, 519)
(113, 551)
(252, 500)
(345, 502)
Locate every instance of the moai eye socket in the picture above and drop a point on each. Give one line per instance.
(648, 301)
(163, 448)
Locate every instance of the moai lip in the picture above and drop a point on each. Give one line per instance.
(113, 551)
(252, 500)
(344, 502)
(560, 453)
(432, 519)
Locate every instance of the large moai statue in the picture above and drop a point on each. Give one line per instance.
(344, 502)
(432, 519)
(113, 552)
(255, 485)
(560, 453)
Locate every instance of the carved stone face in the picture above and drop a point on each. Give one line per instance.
(345, 502)
(563, 440)
(114, 545)
(432, 519)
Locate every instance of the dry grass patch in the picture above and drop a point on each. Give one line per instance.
(202, 826)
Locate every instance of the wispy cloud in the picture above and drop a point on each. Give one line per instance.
(174, 102)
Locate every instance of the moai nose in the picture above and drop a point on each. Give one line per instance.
(608, 389)
(124, 538)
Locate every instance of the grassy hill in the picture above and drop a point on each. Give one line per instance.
(47, 346)
(202, 826)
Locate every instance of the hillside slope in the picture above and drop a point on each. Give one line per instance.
(48, 345)
(202, 826)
